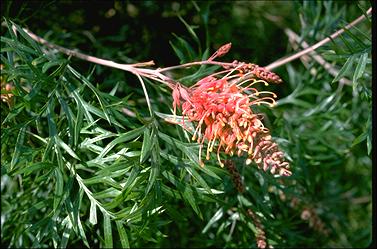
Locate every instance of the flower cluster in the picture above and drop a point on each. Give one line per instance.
(260, 234)
(255, 71)
(308, 211)
(221, 106)
(236, 177)
(309, 214)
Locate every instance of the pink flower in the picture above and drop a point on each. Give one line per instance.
(221, 107)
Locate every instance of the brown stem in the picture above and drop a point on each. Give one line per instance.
(127, 67)
(330, 69)
(133, 68)
(295, 56)
(82, 56)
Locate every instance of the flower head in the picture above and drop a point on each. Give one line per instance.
(221, 107)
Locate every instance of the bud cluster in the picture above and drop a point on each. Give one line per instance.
(236, 177)
(256, 71)
(260, 234)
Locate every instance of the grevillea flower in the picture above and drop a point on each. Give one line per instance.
(221, 108)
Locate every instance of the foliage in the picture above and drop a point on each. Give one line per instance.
(85, 163)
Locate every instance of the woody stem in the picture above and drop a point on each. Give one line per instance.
(295, 56)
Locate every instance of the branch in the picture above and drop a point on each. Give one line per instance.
(154, 74)
(283, 61)
(132, 68)
(333, 71)
(82, 56)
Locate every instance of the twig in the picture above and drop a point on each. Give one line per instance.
(154, 74)
(82, 56)
(132, 68)
(333, 71)
(295, 56)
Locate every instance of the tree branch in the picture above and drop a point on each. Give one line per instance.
(305, 58)
(285, 60)
(156, 74)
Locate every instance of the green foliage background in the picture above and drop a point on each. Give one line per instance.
(76, 171)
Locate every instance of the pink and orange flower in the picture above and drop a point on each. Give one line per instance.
(222, 109)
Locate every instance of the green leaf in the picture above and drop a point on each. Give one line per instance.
(74, 214)
(178, 52)
(65, 147)
(367, 134)
(14, 112)
(69, 115)
(52, 63)
(176, 161)
(18, 47)
(78, 124)
(360, 138)
(128, 186)
(34, 167)
(93, 212)
(82, 104)
(190, 30)
(28, 38)
(185, 190)
(190, 150)
(359, 70)
(107, 193)
(100, 114)
(345, 69)
(185, 46)
(147, 145)
(50, 119)
(155, 164)
(137, 210)
(122, 234)
(59, 186)
(17, 149)
(107, 231)
(154, 172)
(217, 216)
(39, 60)
(369, 142)
(66, 233)
(364, 10)
(102, 102)
(197, 177)
(121, 139)
(189, 197)
(171, 192)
